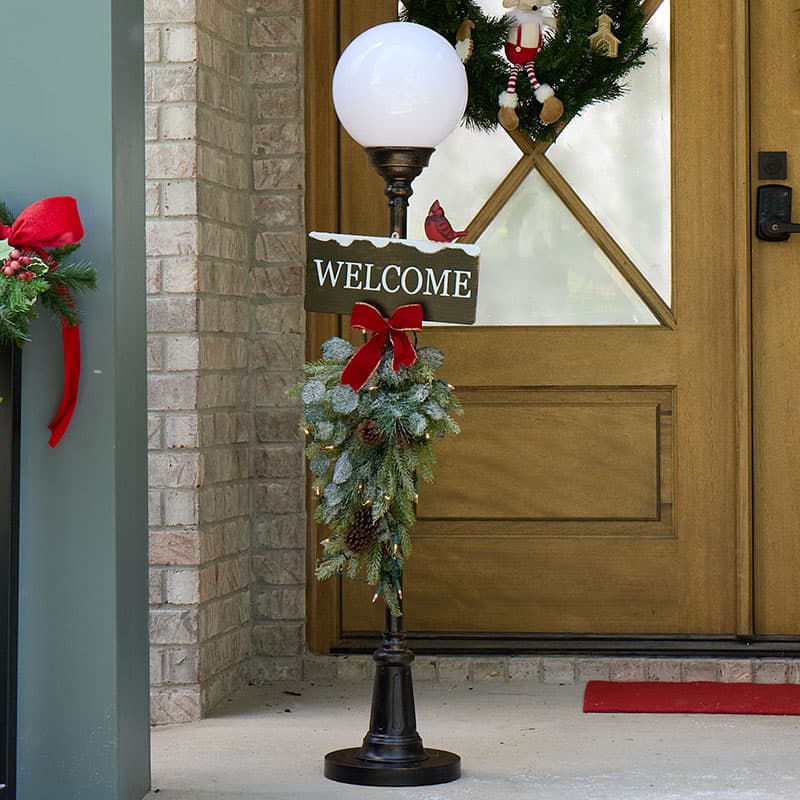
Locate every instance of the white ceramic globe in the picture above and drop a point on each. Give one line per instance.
(399, 85)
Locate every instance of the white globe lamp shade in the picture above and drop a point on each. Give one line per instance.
(399, 85)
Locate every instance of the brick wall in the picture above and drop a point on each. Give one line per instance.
(278, 337)
(198, 232)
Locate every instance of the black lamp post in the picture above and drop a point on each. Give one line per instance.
(402, 84)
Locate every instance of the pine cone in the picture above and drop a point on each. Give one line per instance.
(370, 433)
(362, 532)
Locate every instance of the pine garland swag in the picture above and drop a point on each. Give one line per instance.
(365, 475)
(579, 74)
(37, 278)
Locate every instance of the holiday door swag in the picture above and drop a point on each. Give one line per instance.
(527, 69)
(31, 249)
(370, 416)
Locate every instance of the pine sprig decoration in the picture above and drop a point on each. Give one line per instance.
(366, 451)
(28, 276)
(579, 74)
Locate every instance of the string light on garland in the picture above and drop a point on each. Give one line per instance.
(579, 70)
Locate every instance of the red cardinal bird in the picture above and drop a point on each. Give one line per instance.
(437, 226)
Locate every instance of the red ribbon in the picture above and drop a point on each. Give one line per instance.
(49, 223)
(366, 360)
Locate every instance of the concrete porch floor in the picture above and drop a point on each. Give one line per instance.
(525, 740)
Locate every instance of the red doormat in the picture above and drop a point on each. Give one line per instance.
(702, 697)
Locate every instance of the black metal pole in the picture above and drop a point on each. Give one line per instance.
(392, 734)
(392, 753)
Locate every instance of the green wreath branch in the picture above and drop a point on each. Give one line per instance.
(580, 74)
(36, 278)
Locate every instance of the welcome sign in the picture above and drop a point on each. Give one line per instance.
(386, 273)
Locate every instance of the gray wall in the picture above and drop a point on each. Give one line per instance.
(72, 124)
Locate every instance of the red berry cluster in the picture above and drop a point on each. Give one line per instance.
(16, 265)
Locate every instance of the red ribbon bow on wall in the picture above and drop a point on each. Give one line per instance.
(366, 360)
(49, 223)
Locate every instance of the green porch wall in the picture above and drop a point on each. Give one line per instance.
(72, 123)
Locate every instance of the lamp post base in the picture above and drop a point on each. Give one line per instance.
(438, 766)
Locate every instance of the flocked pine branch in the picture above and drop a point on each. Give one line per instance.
(366, 451)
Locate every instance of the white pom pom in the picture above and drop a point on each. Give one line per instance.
(509, 100)
(464, 49)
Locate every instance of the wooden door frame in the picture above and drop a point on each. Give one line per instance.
(324, 144)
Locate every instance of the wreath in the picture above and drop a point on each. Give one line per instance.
(596, 43)
(31, 249)
(31, 272)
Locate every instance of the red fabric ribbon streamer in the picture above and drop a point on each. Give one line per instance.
(367, 358)
(53, 222)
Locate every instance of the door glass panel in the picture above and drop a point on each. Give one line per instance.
(540, 267)
(616, 156)
(464, 171)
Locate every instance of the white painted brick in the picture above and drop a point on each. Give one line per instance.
(665, 670)
(488, 669)
(701, 670)
(736, 671)
(168, 626)
(173, 470)
(156, 11)
(174, 547)
(180, 275)
(181, 507)
(558, 670)
(354, 668)
(170, 83)
(770, 671)
(156, 586)
(154, 515)
(179, 121)
(171, 237)
(180, 198)
(154, 427)
(170, 160)
(627, 670)
(592, 669)
(182, 353)
(454, 669)
(150, 122)
(155, 353)
(182, 586)
(180, 43)
(152, 43)
(525, 668)
(180, 431)
(156, 665)
(169, 706)
(424, 669)
(153, 276)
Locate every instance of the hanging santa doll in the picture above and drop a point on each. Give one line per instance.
(525, 39)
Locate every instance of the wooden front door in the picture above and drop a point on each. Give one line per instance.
(775, 45)
(601, 485)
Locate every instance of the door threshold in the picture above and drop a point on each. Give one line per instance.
(660, 646)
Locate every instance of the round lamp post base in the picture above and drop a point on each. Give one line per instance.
(345, 766)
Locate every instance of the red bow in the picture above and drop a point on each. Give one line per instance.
(366, 360)
(49, 223)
